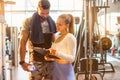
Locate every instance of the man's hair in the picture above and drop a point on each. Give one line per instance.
(45, 4)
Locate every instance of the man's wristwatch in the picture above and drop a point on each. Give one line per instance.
(21, 62)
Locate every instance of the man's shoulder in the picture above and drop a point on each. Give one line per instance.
(26, 24)
(27, 19)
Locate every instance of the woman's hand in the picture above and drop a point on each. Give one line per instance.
(52, 51)
(51, 56)
(48, 58)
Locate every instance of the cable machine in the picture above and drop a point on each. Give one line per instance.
(91, 43)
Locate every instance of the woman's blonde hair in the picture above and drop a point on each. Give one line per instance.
(68, 19)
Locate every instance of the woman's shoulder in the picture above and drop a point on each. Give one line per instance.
(71, 35)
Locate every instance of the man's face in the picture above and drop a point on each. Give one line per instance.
(43, 13)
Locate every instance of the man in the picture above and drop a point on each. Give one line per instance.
(33, 32)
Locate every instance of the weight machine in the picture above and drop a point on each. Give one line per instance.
(91, 43)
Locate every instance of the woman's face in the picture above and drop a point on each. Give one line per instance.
(60, 25)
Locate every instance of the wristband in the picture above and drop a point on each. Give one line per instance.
(21, 62)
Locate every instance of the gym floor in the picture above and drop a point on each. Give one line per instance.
(19, 74)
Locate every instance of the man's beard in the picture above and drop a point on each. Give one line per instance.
(43, 18)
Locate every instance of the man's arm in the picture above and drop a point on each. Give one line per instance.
(23, 38)
(24, 35)
(22, 49)
(23, 42)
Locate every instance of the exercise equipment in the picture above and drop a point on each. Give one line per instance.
(91, 43)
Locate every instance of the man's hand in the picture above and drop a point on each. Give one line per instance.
(25, 66)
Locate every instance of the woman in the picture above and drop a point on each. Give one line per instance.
(64, 47)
